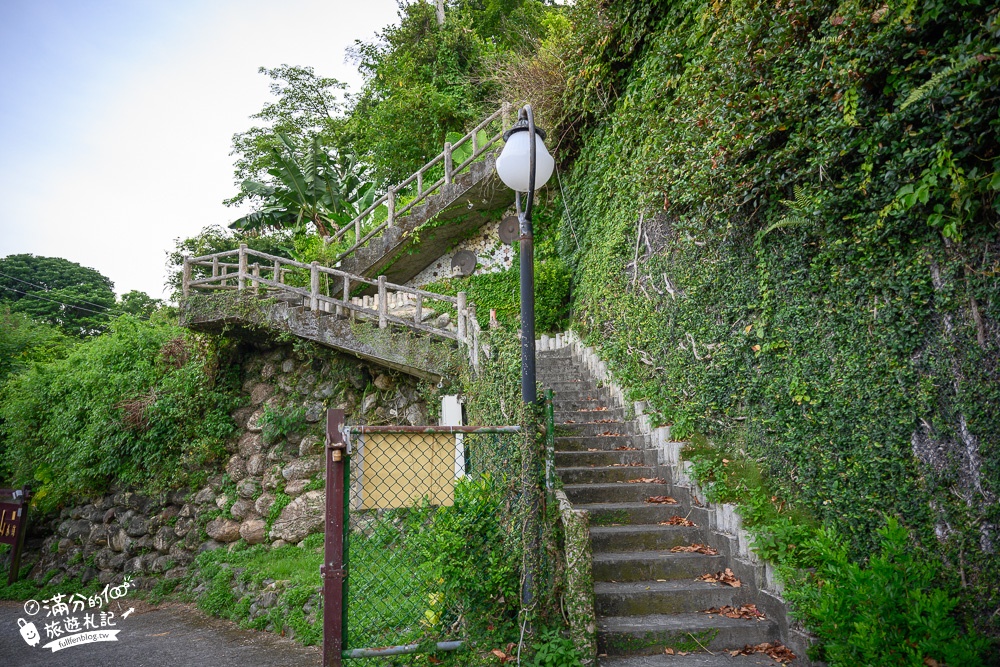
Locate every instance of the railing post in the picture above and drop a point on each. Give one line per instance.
(462, 316)
(346, 298)
(391, 205)
(475, 142)
(255, 283)
(448, 166)
(357, 230)
(382, 304)
(418, 313)
(215, 267)
(505, 116)
(420, 181)
(314, 287)
(333, 571)
(277, 272)
(186, 280)
(241, 277)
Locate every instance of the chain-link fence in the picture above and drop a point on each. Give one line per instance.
(433, 534)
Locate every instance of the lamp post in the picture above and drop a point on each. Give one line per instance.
(525, 165)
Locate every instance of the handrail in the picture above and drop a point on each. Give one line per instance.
(252, 276)
(423, 190)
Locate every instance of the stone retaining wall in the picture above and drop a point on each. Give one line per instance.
(268, 490)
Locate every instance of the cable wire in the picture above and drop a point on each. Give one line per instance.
(67, 305)
(47, 289)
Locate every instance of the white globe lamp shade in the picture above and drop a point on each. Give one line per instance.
(514, 162)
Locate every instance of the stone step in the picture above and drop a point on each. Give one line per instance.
(581, 405)
(595, 430)
(616, 493)
(603, 457)
(653, 565)
(582, 394)
(565, 352)
(576, 443)
(588, 415)
(641, 598)
(689, 660)
(649, 635)
(604, 474)
(569, 383)
(652, 537)
(569, 374)
(611, 514)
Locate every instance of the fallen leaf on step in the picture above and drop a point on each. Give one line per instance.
(661, 500)
(747, 612)
(727, 578)
(607, 433)
(594, 449)
(626, 448)
(695, 549)
(606, 421)
(600, 409)
(780, 652)
(569, 421)
(668, 651)
(676, 520)
(647, 480)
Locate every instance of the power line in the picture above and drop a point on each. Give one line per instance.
(67, 305)
(43, 287)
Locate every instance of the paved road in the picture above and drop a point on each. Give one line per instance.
(174, 635)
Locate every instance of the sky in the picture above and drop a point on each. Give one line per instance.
(117, 116)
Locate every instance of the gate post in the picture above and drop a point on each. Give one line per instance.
(333, 571)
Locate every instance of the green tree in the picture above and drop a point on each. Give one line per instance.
(307, 108)
(57, 291)
(306, 186)
(423, 79)
(137, 303)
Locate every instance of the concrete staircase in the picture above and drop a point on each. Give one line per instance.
(646, 597)
(428, 230)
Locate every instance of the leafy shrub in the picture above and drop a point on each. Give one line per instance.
(554, 650)
(468, 550)
(888, 613)
(146, 403)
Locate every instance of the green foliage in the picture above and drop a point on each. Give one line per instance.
(24, 341)
(887, 613)
(859, 329)
(554, 650)
(57, 291)
(308, 185)
(306, 109)
(468, 550)
(276, 424)
(424, 80)
(137, 303)
(146, 404)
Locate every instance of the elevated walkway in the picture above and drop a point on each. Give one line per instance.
(414, 331)
(424, 217)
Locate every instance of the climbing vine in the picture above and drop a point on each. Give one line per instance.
(787, 225)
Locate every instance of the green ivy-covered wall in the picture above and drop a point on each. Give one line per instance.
(787, 224)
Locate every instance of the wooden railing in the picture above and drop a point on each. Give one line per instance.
(502, 115)
(329, 292)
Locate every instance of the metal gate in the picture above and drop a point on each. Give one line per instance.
(393, 494)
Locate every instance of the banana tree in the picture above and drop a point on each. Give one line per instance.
(310, 186)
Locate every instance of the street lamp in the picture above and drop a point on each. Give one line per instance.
(525, 165)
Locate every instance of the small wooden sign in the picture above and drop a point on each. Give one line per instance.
(14, 525)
